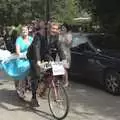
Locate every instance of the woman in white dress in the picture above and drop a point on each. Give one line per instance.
(66, 41)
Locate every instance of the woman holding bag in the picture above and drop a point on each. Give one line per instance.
(22, 44)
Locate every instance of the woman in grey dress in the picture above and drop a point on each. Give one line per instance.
(66, 41)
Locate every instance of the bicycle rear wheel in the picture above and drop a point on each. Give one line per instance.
(59, 105)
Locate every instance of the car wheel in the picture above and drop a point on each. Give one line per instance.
(112, 82)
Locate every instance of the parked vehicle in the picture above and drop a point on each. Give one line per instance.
(97, 57)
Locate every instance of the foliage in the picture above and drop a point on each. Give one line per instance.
(64, 10)
(22, 11)
(107, 14)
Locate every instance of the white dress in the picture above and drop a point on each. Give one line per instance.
(66, 41)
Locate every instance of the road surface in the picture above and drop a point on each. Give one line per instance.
(86, 103)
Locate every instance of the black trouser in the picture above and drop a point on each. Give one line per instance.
(35, 75)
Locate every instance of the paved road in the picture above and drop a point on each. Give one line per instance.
(87, 103)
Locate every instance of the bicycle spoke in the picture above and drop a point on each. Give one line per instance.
(58, 105)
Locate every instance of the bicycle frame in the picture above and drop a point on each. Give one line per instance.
(55, 95)
(51, 82)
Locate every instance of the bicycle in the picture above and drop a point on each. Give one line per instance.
(57, 95)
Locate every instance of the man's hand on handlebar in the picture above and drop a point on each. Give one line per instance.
(39, 63)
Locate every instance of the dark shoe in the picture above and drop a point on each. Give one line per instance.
(34, 103)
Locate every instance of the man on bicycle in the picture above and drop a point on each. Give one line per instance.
(37, 52)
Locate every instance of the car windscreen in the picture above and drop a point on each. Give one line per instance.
(105, 42)
(78, 39)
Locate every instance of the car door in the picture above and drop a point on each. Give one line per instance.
(85, 60)
(92, 63)
(94, 58)
(78, 59)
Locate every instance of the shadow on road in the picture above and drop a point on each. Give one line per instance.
(9, 97)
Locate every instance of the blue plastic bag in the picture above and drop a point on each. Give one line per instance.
(18, 68)
(1, 67)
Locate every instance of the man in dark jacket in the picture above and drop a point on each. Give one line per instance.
(37, 52)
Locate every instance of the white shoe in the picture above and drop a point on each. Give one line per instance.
(20, 93)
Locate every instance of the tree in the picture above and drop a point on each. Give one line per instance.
(107, 13)
(21, 11)
(64, 10)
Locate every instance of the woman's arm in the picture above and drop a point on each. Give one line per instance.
(18, 50)
(17, 45)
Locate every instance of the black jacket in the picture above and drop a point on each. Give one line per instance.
(37, 49)
(40, 47)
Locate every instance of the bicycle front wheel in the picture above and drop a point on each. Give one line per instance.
(58, 101)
